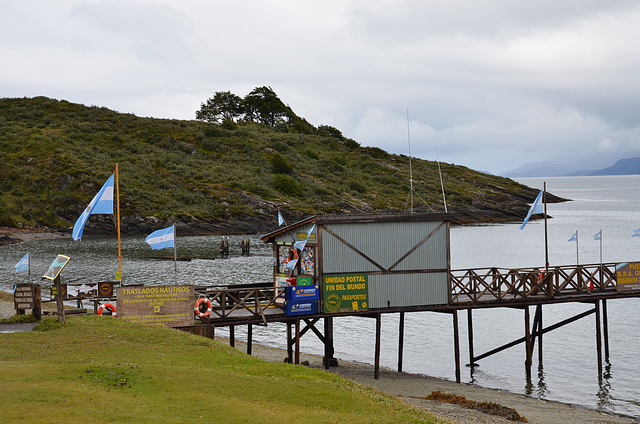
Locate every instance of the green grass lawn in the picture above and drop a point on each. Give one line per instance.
(98, 369)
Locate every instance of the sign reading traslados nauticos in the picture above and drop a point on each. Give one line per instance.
(345, 293)
(168, 305)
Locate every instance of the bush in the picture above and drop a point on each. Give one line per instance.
(287, 185)
(279, 165)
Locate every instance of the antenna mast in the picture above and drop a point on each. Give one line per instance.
(444, 199)
(410, 169)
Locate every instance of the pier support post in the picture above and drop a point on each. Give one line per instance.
(456, 344)
(605, 328)
(527, 342)
(249, 338)
(328, 343)
(376, 374)
(472, 359)
(539, 331)
(400, 341)
(297, 342)
(289, 344)
(232, 336)
(598, 337)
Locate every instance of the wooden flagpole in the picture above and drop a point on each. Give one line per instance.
(119, 276)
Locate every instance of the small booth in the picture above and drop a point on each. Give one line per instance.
(362, 262)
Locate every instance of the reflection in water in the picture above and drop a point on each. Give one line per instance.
(543, 390)
(604, 388)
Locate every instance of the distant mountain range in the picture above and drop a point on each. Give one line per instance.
(561, 167)
(630, 166)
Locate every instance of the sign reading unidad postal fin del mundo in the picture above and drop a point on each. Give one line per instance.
(168, 305)
(345, 293)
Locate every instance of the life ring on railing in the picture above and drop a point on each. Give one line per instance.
(196, 308)
(108, 307)
(295, 253)
(540, 276)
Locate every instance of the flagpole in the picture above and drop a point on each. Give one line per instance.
(577, 258)
(118, 222)
(546, 243)
(175, 255)
(29, 266)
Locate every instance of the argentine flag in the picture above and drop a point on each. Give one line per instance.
(161, 239)
(536, 208)
(636, 233)
(598, 235)
(574, 237)
(102, 203)
(23, 265)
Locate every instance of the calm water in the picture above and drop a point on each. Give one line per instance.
(569, 371)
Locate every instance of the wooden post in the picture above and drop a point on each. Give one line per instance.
(249, 338)
(232, 336)
(289, 344)
(539, 315)
(400, 341)
(328, 342)
(297, 342)
(456, 344)
(59, 302)
(605, 328)
(598, 337)
(527, 342)
(376, 374)
(472, 359)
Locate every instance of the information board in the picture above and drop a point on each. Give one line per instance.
(628, 276)
(168, 305)
(345, 293)
(56, 266)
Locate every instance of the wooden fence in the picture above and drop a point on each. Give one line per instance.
(473, 286)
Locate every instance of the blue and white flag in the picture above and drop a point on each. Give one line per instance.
(280, 219)
(161, 239)
(102, 203)
(636, 233)
(301, 244)
(292, 264)
(598, 235)
(536, 208)
(574, 237)
(23, 265)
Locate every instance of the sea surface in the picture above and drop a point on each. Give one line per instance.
(569, 371)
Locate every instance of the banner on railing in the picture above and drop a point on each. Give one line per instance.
(628, 276)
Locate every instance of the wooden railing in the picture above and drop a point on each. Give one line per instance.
(497, 284)
(239, 301)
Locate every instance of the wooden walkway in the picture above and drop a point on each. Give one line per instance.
(469, 289)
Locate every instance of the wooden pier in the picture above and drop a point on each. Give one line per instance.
(469, 289)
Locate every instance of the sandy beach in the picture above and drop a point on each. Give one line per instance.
(410, 388)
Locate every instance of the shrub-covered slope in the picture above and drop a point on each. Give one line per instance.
(214, 178)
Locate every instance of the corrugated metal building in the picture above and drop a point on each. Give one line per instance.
(363, 262)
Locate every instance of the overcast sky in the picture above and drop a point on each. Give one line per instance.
(493, 84)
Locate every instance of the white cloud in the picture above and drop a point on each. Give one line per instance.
(493, 84)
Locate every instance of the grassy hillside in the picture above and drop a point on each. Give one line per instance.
(107, 370)
(56, 155)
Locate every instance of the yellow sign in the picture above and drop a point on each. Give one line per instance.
(168, 305)
(118, 276)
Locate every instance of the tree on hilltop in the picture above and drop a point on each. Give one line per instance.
(223, 106)
(264, 106)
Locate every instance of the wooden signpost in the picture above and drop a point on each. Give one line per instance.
(53, 273)
(27, 296)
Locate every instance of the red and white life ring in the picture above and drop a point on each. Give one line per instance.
(295, 253)
(107, 307)
(198, 311)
